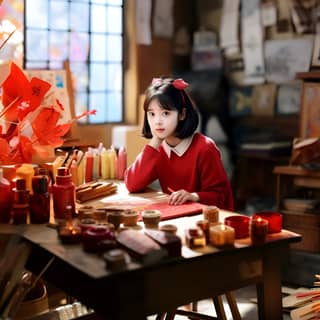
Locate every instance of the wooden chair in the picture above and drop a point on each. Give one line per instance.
(194, 315)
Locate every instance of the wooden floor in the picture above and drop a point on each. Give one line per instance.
(246, 303)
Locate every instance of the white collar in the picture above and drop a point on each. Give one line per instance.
(179, 149)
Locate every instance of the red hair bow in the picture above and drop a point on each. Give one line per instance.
(180, 84)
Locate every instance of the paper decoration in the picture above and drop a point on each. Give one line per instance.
(252, 41)
(229, 26)
(143, 21)
(163, 18)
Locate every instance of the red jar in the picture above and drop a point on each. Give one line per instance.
(5, 199)
(63, 193)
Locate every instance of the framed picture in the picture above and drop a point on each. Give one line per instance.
(289, 98)
(263, 99)
(310, 110)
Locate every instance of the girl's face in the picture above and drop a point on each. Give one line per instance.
(162, 122)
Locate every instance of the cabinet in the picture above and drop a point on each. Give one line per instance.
(301, 215)
(297, 194)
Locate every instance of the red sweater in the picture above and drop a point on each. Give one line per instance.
(199, 170)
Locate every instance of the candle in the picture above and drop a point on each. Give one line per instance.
(70, 234)
(240, 223)
(221, 235)
(258, 230)
(274, 219)
(211, 213)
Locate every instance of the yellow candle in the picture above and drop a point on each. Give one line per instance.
(221, 235)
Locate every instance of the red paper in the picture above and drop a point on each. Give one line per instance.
(171, 212)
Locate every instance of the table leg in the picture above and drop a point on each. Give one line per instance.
(269, 290)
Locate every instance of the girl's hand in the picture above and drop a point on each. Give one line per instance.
(182, 196)
(155, 141)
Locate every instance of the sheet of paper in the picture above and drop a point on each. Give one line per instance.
(252, 41)
(143, 21)
(163, 18)
(229, 26)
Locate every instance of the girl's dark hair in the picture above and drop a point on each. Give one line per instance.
(171, 98)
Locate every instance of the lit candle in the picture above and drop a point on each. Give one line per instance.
(221, 235)
(240, 223)
(211, 213)
(258, 230)
(274, 219)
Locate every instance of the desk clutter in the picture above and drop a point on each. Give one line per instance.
(119, 237)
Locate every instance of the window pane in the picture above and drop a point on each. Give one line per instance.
(114, 19)
(114, 107)
(98, 18)
(114, 45)
(98, 80)
(79, 19)
(36, 65)
(37, 45)
(55, 64)
(81, 102)
(80, 76)
(37, 20)
(98, 51)
(114, 77)
(59, 15)
(79, 46)
(58, 45)
(98, 101)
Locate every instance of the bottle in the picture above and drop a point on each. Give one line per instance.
(40, 200)
(64, 194)
(26, 171)
(121, 163)
(21, 203)
(5, 199)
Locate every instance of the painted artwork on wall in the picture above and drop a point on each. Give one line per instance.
(284, 58)
(310, 110)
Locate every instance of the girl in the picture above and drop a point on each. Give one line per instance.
(187, 164)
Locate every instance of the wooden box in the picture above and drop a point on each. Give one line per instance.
(306, 224)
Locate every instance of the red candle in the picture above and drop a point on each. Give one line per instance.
(274, 219)
(258, 230)
(240, 224)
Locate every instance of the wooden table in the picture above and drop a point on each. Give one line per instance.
(142, 290)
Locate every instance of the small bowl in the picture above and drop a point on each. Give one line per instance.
(240, 223)
(274, 219)
(151, 218)
(169, 228)
(130, 218)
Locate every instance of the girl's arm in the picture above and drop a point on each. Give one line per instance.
(143, 171)
(215, 185)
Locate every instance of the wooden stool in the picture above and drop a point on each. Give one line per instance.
(218, 304)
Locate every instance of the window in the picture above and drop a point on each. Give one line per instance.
(88, 33)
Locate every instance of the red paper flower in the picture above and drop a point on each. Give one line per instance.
(30, 127)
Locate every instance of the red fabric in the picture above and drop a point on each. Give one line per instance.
(200, 170)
